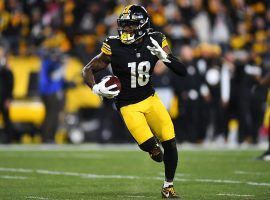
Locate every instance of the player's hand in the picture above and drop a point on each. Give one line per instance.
(158, 51)
(101, 90)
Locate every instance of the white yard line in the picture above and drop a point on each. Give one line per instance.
(85, 175)
(134, 196)
(218, 181)
(41, 198)
(100, 176)
(258, 184)
(21, 170)
(177, 174)
(13, 177)
(234, 195)
(56, 155)
(251, 173)
(35, 197)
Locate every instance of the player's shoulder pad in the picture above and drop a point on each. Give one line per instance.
(108, 43)
(159, 37)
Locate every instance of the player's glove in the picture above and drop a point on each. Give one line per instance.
(158, 51)
(101, 90)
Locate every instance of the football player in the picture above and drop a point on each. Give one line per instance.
(265, 81)
(133, 55)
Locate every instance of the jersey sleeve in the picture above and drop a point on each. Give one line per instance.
(160, 38)
(164, 41)
(106, 47)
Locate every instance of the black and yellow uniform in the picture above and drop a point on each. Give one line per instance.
(142, 110)
(133, 58)
(133, 65)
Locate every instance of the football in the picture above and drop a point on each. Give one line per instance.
(113, 80)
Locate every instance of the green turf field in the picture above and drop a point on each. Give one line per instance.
(127, 173)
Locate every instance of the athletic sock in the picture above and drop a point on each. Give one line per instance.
(170, 159)
(167, 184)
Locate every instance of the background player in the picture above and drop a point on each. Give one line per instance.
(133, 55)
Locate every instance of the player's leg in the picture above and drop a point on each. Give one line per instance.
(7, 124)
(160, 122)
(151, 146)
(266, 155)
(137, 125)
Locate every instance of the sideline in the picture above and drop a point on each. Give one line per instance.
(123, 147)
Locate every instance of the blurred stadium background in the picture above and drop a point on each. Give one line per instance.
(218, 106)
(211, 36)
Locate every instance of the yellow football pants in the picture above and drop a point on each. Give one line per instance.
(147, 118)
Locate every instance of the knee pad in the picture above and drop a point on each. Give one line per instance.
(151, 146)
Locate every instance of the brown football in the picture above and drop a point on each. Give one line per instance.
(113, 80)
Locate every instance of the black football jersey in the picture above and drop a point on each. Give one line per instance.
(133, 65)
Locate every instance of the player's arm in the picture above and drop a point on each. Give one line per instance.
(167, 57)
(175, 64)
(98, 63)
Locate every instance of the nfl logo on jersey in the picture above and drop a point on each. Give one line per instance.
(138, 55)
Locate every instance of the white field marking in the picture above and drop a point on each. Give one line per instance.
(21, 170)
(181, 174)
(235, 195)
(96, 176)
(218, 181)
(155, 178)
(13, 177)
(182, 179)
(34, 197)
(177, 174)
(113, 147)
(40, 155)
(133, 196)
(251, 173)
(85, 175)
(259, 184)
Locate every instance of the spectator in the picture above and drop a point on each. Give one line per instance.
(212, 76)
(189, 124)
(51, 84)
(6, 88)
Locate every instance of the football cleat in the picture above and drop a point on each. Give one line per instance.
(156, 154)
(169, 193)
(265, 156)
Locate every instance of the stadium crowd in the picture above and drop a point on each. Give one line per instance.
(225, 44)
